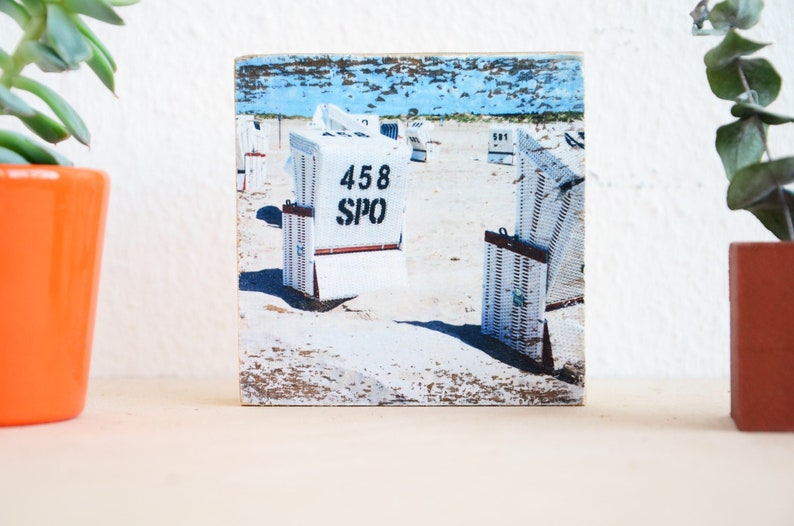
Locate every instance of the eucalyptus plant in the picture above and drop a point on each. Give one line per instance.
(56, 38)
(757, 181)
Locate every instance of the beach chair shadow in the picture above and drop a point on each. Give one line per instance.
(473, 337)
(270, 281)
(270, 215)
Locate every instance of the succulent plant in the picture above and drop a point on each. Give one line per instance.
(757, 181)
(55, 38)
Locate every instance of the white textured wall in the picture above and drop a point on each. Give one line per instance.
(657, 226)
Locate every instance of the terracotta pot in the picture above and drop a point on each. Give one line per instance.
(762, 335)
(52, 222)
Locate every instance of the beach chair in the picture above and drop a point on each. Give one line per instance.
(514, 294)
(550, 210)
(393, 130)
(252, 147)
(329, 117)
(550, 216)
(502, 144)
(343, 234)
(420, 139)
(544, 261)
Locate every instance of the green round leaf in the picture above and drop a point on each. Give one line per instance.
(740, 144)
(775, 212)
(745, 109)
(732, 47)
(742, 14)
(754, 183)
(761, 76)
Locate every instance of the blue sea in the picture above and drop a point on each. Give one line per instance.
(294, 85)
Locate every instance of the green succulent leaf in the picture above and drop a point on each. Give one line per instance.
(43, 56)
(56, 39)
(64, 37)
(5, 60)
(102, 68)
(742, 14)
(58, 105)
(11, 157)
(94, 41)
(754, 184)
(740, 144)
(122, 3)
(98, 9)
(47, 128)
(761, 76)
(746, 109)
(30, 150)
(15, 11)
(13, 103)
(732, 47)
(34, 7)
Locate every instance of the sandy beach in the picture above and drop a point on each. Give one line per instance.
(419, 344)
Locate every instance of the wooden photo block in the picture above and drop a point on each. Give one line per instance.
(364, 185)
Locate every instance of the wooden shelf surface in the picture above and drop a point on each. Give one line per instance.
(164, 451)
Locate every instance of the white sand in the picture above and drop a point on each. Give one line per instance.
(416, 345)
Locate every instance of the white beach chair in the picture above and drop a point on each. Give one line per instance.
(420, 138)
(514, 294)
(343, 234)
(502, 144)
(550, 210)
(545, 257)
(550, 216)
(329, 117)
(252, 147)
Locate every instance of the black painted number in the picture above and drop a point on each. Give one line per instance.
(365, 177)
(347, 179)
(352, 211)
(383, 177)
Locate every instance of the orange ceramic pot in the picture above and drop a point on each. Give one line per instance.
(52, 222)
(762, 335)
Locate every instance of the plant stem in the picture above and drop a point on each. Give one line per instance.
(781, 193)
(33, 31)
(749, 93)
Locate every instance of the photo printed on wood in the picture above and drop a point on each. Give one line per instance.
(410, 229)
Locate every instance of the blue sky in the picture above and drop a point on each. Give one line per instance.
(393, 85)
